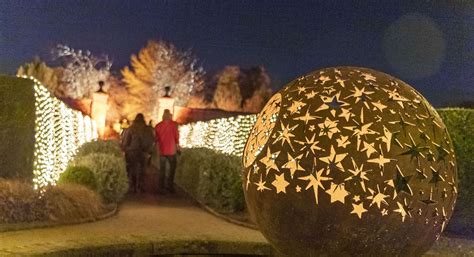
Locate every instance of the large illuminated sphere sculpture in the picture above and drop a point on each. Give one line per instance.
(349, 162)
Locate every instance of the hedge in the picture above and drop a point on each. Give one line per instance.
(17, 134)
(212, 178)
(460, 125)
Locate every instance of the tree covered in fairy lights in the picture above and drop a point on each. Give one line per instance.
(82, 71)
(158, 65)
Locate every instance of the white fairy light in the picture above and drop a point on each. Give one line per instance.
(59, 131)
(226, 135)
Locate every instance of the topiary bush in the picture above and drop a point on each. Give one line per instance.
(67, 202)
(78, 175)
(100, 146)
(212, 178)
(19, 202)
(110, 174)
(460, 124)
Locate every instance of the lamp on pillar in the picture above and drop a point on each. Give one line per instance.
(165, 102)
(99, 108)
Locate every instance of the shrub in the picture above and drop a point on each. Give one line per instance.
(212, 178)
(100, 146)
(110, 174)
(460, 124)
(79, 175)
(71, 202)
(19, 202)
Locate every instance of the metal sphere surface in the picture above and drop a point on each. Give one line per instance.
(349, 161)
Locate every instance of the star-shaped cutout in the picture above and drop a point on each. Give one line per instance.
(307, 117)
(401, 182)
(337, 192)
(386, 138)
(296, 106)
(403, 209)
(358, 174)
(309, 144)
(378, 106)
(332, 103)
(378, 198)
(315, 182)
(381, 161)
(324, 79)
(280, 183)
(328, 128)
(393, 95)
(269, 161)
(286, 135)
(334, 159)
(414, 149)
(369, 149)
(435, 176)
(346, 114)
(293, 164)
(261, 185)
(368, 76)
(358, 209)
(343, 141)
(360, 94)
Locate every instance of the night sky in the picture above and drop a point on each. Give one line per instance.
(429, 44)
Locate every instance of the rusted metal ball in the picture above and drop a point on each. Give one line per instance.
(349, 161)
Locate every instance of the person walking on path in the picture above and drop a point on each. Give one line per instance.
(167, 143)
(138, 144)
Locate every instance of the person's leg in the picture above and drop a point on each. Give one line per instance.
(170, 180)
(161, 175)
(134, 170)
(140, 171)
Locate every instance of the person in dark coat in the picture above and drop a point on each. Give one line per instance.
(138, 143)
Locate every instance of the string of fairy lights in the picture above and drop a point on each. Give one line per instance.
(226, 135)
(59, 131)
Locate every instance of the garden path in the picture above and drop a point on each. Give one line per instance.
(169, 225)
(142, 227)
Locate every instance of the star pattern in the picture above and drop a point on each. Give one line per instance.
(358, 209)
(351, 139)
(280, 183)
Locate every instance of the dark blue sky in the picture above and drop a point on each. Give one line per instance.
(429, 44)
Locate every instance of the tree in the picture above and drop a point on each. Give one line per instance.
(158, 65)
(42, 72)
(255, 86)
(245, 90)
(82, 71)
(227, 95)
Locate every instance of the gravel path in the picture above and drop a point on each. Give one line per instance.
(148, 226)
(152, 226)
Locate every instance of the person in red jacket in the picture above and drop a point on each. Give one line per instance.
(167, 143)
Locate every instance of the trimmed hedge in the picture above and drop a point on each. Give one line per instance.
(460, 125)
(78, 175)
(100, 146)
(212, 178)
(17, 130)
(110, 174)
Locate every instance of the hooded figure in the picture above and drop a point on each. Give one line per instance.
(137, 143)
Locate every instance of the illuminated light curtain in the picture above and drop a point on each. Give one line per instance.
(59, 131)
(226, 135)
